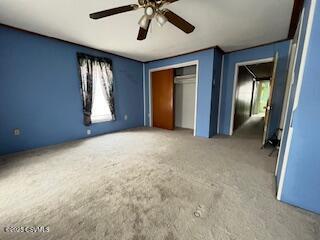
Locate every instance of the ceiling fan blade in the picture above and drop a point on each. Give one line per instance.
(178, 21)
(143, 32)
(171, 1)
(113, 11)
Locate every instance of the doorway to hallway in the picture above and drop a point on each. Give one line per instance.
(253, 95)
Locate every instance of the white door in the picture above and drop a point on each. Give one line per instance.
(184, 102)
(288, 86)
(269, 105)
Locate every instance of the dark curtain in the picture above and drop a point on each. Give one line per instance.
(87, 65)
(86, 87)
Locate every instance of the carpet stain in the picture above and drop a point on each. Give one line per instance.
(139, 237)
(165, 193)
(170, 236)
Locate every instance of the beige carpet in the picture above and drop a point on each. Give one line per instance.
(150, 184)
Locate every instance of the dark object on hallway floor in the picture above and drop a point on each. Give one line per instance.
(275, 141)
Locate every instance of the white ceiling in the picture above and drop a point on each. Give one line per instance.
(230, 24)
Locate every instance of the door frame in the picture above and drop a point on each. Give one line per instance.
(290, 80)
(268, 109)
(235, 82)
(185, 64)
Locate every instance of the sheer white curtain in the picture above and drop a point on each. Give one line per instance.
(101, 111)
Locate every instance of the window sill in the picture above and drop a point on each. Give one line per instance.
(102, 119)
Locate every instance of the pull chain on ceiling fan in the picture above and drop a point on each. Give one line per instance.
(152, 9)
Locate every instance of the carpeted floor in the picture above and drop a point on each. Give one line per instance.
(150, 184)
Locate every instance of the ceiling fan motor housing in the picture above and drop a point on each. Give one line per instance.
(145, 2)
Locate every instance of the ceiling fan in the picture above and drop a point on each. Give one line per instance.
(152, 9)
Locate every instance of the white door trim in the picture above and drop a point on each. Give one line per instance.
(297, 94)
(185, 64)
(235, 81)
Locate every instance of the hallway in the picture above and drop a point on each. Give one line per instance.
(252, 128)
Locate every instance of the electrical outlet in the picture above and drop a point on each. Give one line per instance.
(16, 132)
(126, 117)
(88, 131)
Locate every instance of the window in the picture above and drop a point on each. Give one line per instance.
(100, 105)
(97, 89)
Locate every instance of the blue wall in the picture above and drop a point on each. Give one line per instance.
(302, 180)
(206, 76)
(230, 61)
(40, 92)
(215, 93)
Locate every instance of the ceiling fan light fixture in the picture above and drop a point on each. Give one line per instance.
(143, 22)
(149, 11)
(161, 19)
